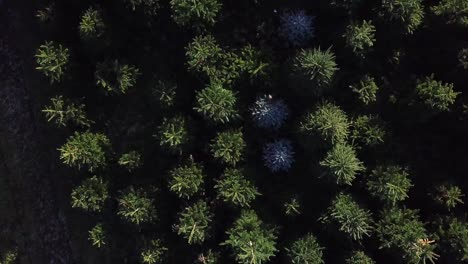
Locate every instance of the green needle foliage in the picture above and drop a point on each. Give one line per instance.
(401, 229)
(62, 111)
(85, 149)
(228, 146)
(195, 13)
(209, 257)
(97, 235)
(153, 252)
(342, 165)
(367, 130)
(463, 58)
(449, 196)
(349, 216)
(360, 37)
(116, 78)
(317, 66)
(92, 24)
(46, 15)
(136, 206)
(186, 180)
(204, 55)
(292, 207)
(165, 93)
(216, 104)
(149, 7)
(90, 195)
(328, 121)
(454, 11)
(250, 240)
(194, 223)
(366, 89)
(359, 257)
(173, 133)
(389, 184)
(53, 60)
(409, 13)
(235, 189)
(305, 250)
(131, 160)
(453, 234)
(435, 94)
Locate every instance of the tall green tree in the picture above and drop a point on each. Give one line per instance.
(63, 111)
(98, 235)
(114, 77)
(366, 90)
(367, 130)
(92, 24)
(235, 189)
(194, 222)
(130, 160)
(448, 195)
(228, 146)
(359, 257)
(153, 252)
(53, 60)
(360, 37)
(453, 235)
(435, 94)
(173, 133)
(341, 164)
(389, 183)
(195, 13)
(305, 250)
(408, 13)
(149, 7)
(136, 206)
(90, 195)
(216, 103)
(454, 11)
(186, 180)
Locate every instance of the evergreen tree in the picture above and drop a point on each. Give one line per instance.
(62, 111)
(463, 58)
(116, 78)
(359, 257)
(453, 234)
(85, 149)
(173, 133)
(97, 235)
(186, 180)
(449, 196)
(153, 252)
(216, 104)
(165, 93)
(90, 195)
(409, 13)
(136, 206)
(292, 207)
(366, 89)
(349, 216)
(454, 11)
(278, 155)
(306, 250)
(209, 257)
(250, 240)
(92, 24)
(401, 229)
(360, 37)
(269, 113)
(390, 184)
(149, 7)
(195, 13)
(341, 164)
(204, 55)
(235, 189)
(297, 27)
(53, 60)
(46, 15)
(316, 66)
(194, 222)
(327, 121)
(435, 94)
(228, 146)
(130, 160)
(367, 130)
(9, 257)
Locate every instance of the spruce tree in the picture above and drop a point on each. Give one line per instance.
(216, 104)
(454, 11)
(228, 146)
(173, 133)
(367, 130)
(449, 196)
(341, 164)
(360, 37)
(149, 7)
(153, 252)
(114, 77)
(453, 235)
(195, 13)
(463, 58)
(359, 257)
(210, 257)
(366, 89)
(389, 184)
(90, 195)
(305, 250)
(235, 189)
(136, 206)
(98, 235)
(62, 112)
(408, 13)
(292, 207)
(53, 60)
(130, 160)
(186, 180)
(92, 24)
(194, 222)
(435, 94)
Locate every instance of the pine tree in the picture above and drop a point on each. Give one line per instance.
(153, 252)
(341, 164)
(367, 130)
(46, 15)
(250, 240)
(90, 195)
(463, 58)
(359, 257)
(136, 206)
(390, 184)
(349, 216)
(164, 92)
(92, 24)
(195, 13)
(209, 257)
(114, 77)
(216, 104)
(449, 196)
(401, 229)
(328, 122)
(173, 133)
(186, 180)
(228, 146)
(278, 155)
(235, 189)
(97, 235)
(62, 111)
(297, 27)
(130, 160)
(292, 207)
(306, 250)
(409, 13)
(85, 149)
(454, 11)
(269, 113)
(366, 89)
(53, 60)
(453, 235)
(194, 222)
(360, 37)
(435, 94)
(204, 55)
